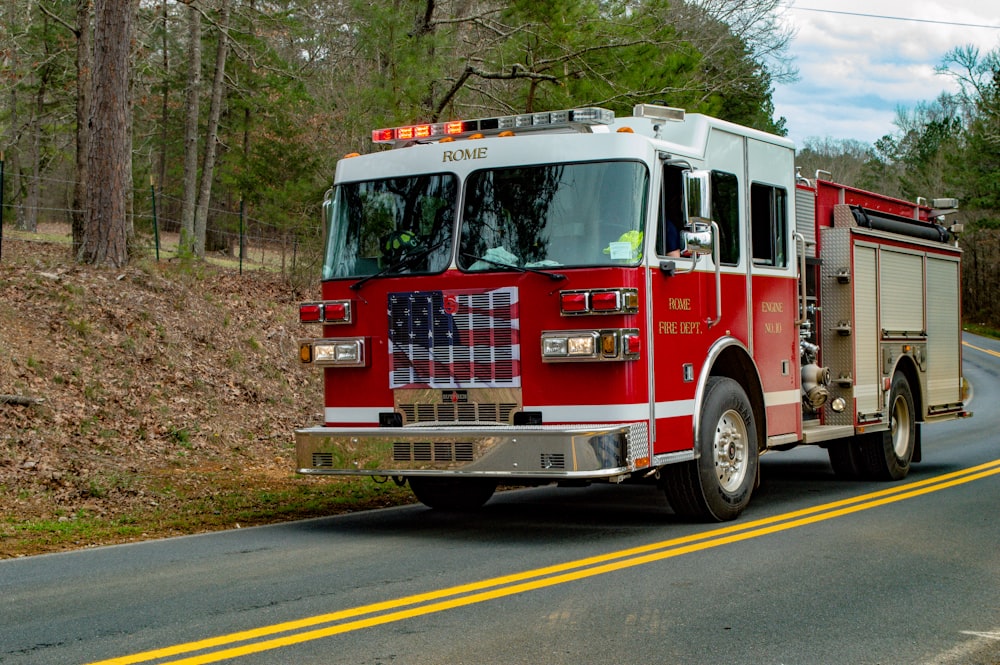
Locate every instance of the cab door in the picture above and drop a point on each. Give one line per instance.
(693, 307)
(773, 290)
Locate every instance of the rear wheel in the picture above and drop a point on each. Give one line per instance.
(717, 485)
(452, 494)
(845, 458)
(887, 455)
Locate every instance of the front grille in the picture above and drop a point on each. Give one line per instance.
(454, 339)
(467, 412)
(426, 451)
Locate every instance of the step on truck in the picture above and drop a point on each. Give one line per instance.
(572, 297)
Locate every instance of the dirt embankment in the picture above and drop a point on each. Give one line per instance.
(156, 399)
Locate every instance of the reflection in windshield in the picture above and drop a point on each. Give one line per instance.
(556, 215)
(393, 226)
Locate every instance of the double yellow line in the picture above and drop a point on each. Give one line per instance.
(979, 348)
(285, 634)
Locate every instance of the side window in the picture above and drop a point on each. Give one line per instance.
(671, 214)
(768, 216)
(726, 213)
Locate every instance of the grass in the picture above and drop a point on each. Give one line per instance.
(217, 501)
(54, 238)
(145, 249)
(980, 329)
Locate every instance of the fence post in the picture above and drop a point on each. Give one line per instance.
(156, 227)
(241, 236)
(1, 205)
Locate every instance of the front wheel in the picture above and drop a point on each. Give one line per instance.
(452, 494)
(717, 485)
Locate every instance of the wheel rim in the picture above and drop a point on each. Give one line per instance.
(900, 426)
(731, 450)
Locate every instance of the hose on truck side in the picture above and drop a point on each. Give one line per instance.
(914, 228)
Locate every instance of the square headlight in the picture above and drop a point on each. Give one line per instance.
(580, 345)
(555, 346)
(346, 352)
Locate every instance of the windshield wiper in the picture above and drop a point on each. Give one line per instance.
(404, 262)
(556, 276)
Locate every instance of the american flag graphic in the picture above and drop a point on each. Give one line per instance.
(465, 338)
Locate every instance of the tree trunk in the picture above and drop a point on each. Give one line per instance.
(190, 198)
(83, 69)
(161, 172)
(10, 62)
(32, 202)
(29, 222)
(212, 133)
(105, 239)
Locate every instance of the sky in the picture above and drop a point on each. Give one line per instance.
(861, 60)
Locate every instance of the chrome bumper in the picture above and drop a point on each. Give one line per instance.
(548, 451)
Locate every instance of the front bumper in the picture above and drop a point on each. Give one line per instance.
(548, 451)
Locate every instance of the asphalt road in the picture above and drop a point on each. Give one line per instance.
(817, 571)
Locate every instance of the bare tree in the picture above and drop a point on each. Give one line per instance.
(82, 32)
(44, 71)
(83, 82)
(106, 235)
(190, 195)
(212, 132)
(165, 103)
(844, 160)
(10, 62)
(757, 23)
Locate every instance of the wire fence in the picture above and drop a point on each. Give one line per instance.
(234, 236)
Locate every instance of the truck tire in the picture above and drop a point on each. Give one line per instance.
(452, 494)
(887, 455)
(717, 485)
(845, 458)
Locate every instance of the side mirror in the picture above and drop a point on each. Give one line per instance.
(698, 195)
(699, 238)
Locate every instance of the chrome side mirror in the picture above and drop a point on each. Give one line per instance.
(699, 238)
(698, 195)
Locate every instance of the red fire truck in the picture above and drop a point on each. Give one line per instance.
(570, 297)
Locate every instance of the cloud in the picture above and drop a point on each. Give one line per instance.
(856, 67)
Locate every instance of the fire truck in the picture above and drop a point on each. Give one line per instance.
(571, 297)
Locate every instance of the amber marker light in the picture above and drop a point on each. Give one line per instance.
(305, 353)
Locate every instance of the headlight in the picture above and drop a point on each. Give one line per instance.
(570, 345)
(554, 347)
(576, 345)
(334, 352)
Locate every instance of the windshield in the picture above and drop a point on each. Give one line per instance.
(554, 215)
(391, 227)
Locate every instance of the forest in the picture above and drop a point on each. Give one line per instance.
(218, 118)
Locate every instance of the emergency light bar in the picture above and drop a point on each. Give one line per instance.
(565, 119)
